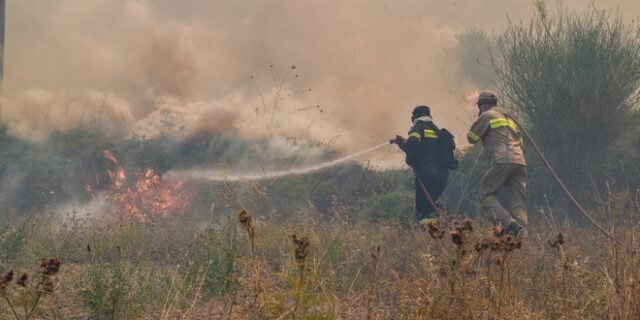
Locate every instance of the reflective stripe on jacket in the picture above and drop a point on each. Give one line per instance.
(500, 137)
(422, 148)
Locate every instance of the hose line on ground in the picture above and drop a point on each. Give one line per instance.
(562, 185)
(428, 195)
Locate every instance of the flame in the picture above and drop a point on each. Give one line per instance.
(148, 196)
(89, 190)
(119, 176)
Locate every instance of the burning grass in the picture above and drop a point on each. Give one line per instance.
(144, 194)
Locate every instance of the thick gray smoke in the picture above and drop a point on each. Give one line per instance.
(142, 67)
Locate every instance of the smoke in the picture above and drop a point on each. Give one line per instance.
(346, 74)
(35, 113)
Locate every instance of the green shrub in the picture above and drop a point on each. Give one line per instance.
(396, 205)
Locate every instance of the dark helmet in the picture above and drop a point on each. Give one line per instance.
(488, 98)
(420, 111)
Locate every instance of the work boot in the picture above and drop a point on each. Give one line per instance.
(492, 209)
(521, 219)
(514, 229)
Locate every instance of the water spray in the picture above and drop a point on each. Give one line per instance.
(217, 175)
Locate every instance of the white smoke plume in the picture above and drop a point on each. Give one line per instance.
(142, 67)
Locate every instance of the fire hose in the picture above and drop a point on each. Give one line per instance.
(564, 188)
(428, 195)
(399, 141)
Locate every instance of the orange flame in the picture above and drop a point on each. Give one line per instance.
(148, 196)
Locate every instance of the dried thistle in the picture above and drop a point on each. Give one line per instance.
(22, 280)
(301, 252)
(457, 238)
(375, 258)
(469, 224)
(560, 238)
(302, 248)
(47, 269)
(483, 245)
(376, 255)
(460, 231)
(499, 241)
(509, 243)
(434, 231)
(462, 226)
(8, 276)
(49, 266)
(245, 220)
(557, 242)
(244, 217)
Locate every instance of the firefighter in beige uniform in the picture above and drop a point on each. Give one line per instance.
(502, 143)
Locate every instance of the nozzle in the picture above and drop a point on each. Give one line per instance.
(397, 140)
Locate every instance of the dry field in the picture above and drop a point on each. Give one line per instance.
(308, 267)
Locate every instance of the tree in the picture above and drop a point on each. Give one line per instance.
(473, 56)
(575, 80)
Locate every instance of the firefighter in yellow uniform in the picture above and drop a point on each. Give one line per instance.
(502, 142)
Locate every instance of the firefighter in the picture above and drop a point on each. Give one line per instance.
(429, 152)
(502, 142)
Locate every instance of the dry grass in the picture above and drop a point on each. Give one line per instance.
(309, 268)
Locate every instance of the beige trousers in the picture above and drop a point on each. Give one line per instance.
(511, 177)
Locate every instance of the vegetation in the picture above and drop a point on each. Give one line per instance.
(342, 243)
(562, 68)
(582, 69)
(313, 268)
(474, 57)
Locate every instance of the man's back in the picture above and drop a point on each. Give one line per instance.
(500, 137)
(422, 148)
(502, 143)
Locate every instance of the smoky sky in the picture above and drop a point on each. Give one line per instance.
(354, 69)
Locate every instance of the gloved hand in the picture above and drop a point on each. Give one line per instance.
(398, 140)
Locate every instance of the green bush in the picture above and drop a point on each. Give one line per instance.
(114, 288)
(394, 206)
(574, 79)
(218, 250)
